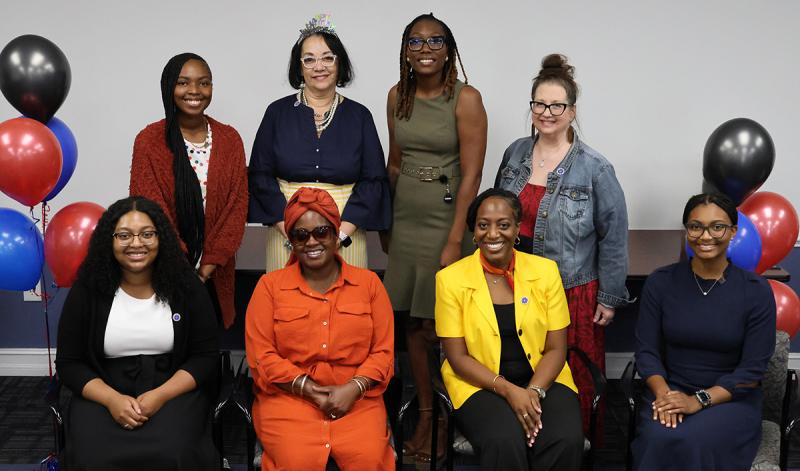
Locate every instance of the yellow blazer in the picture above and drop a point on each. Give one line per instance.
(464, 309)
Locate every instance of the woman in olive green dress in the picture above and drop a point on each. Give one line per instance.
(437, 142)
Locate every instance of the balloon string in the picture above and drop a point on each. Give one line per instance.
(44, 296)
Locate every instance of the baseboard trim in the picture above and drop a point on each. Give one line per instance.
(33, 361)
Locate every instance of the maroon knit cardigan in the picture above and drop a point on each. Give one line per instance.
(226, 198)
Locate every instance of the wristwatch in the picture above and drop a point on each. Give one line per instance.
(703, 397)
(345, 240)
(540, 391)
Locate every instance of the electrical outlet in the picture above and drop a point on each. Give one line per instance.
(31, 295)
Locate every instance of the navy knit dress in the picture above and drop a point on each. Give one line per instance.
(697, 341)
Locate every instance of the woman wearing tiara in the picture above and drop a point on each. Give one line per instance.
(575, 214)
(318, 138)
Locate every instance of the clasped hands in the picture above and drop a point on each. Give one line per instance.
(130, 412)
(334, 401)
(671, 406)
(526, 406)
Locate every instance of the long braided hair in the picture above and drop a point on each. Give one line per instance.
(188, 197)
(407, 86)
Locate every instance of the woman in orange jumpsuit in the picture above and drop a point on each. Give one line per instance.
(319, 339)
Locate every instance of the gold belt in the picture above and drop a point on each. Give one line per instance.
(429, 174)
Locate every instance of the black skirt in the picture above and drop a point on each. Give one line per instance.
(177, 437)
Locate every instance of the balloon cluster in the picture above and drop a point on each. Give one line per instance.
(38, 155)
(737, 159)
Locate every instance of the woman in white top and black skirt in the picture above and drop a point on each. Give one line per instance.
(138, 348)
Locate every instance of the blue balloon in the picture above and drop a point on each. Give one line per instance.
(21, 251)
(69, 152)
(744, 250)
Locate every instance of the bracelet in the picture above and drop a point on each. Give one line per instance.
(293, 383)
(303, 384)
(494, 382)
(362, 383)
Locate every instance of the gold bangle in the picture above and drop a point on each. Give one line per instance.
(303, 384)
(293, 384)
(494, 382)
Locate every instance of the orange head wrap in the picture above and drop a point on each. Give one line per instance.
(311, 199)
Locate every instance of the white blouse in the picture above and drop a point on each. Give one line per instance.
(138, 327)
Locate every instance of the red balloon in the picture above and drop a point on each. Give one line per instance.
(788, 319)
(776, 222)
(66, 239)
(30, 159)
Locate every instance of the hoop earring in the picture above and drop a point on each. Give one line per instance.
(474, 242)
(517, 241)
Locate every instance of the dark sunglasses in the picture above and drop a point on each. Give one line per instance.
(320, 233)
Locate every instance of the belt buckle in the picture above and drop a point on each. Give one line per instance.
(425, 174)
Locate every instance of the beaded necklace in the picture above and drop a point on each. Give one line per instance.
(327, 117)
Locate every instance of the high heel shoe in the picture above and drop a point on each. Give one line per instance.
(409, 448)
(423, 455)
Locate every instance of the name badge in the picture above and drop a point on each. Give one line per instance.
(176, 317)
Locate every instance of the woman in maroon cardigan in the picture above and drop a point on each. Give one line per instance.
(194, 167)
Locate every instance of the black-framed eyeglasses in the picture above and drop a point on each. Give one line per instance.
(320, 233)
(309, 62)
(126, 238)
(716, 230)
(434, 42)
(556, 109)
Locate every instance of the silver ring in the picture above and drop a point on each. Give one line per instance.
(333, 416)
(127, 426)
(525, 415)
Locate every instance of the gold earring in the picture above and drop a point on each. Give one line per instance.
(474, 242)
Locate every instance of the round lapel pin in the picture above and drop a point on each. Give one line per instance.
(176, 317)
(524, 300)
(560, 171)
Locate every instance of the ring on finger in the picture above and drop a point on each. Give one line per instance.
(127, 426)
(525, 415)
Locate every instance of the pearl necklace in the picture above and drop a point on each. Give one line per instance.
(705, 293)
(326, 118)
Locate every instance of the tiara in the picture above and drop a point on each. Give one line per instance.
(321, 23)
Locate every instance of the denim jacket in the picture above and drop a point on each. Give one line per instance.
(582, 222)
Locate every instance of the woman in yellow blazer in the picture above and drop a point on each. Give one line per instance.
(502, 318)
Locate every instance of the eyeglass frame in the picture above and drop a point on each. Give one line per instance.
(142, 240)
(705, 229)
(318, 60)
(291, 235)
(426, 41)
(548, 107)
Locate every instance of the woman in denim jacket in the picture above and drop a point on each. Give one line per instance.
(575, 213)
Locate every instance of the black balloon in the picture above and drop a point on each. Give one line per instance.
(34, 76)
(738, 158)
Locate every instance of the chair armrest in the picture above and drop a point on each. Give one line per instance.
(226, 381)
(628, 375)
(598, 378)
(790, 415)
(242, 392)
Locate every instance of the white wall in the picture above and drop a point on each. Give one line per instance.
(656, 77)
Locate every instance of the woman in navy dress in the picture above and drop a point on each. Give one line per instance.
(318, 138)
(705, 334)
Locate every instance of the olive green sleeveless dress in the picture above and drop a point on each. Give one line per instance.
(422, 219)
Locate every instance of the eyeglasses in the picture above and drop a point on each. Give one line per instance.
(126, 238)
(434, 42)
(556, 109)
(309, 62)
(716, 230)
(320, 233)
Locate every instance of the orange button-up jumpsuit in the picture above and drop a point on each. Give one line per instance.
(346, 331)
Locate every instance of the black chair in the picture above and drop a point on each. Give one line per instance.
(53, 401)
(780, 391)
(442, 404)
